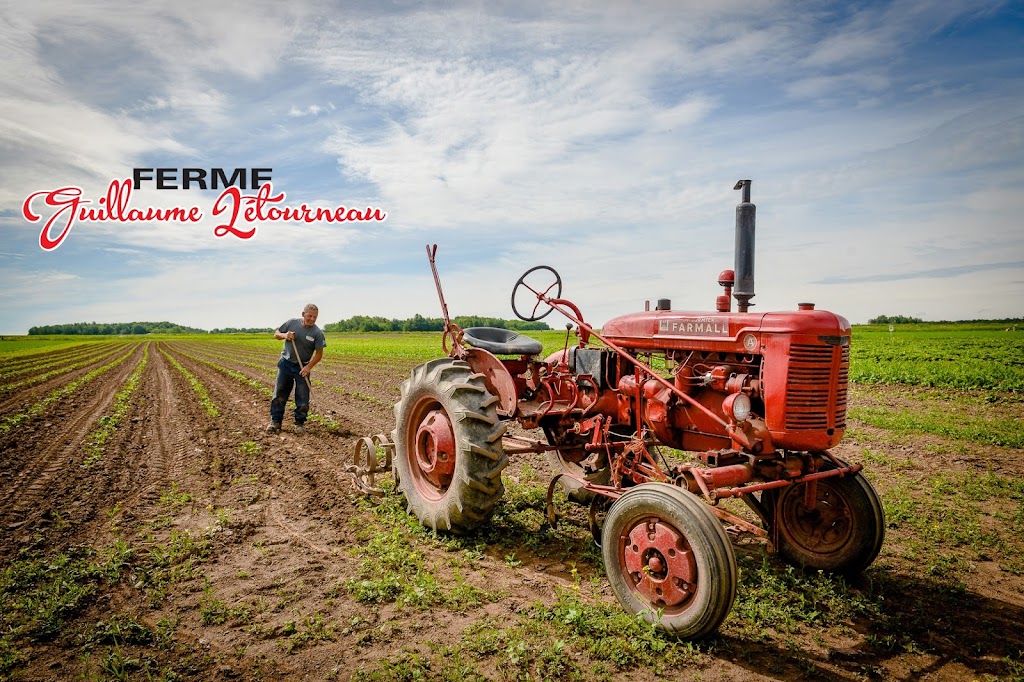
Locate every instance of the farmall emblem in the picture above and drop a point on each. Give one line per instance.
(693, 326)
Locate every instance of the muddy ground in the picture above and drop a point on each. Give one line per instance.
(281, 519)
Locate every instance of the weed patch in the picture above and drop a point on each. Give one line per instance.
(943, 422)
(772, 596)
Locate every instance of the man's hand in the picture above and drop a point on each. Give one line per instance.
(318, 355)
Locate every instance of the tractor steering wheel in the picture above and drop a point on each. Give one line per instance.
(535, 294)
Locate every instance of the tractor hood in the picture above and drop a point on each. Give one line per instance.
(656, 329)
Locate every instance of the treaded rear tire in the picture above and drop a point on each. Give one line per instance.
(454, 496)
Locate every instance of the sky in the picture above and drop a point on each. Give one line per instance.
(884, 141)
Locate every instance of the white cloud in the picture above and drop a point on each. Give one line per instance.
(602, 138)
(311, 110)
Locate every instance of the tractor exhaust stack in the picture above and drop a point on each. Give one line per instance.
(745, 213)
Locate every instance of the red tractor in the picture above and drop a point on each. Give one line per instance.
(758, 398)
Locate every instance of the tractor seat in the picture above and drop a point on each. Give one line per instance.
(501, 341)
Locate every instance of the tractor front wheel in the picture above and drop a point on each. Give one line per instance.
(669, 560)
(843, 533)
(448, 446)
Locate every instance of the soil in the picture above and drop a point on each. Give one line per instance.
(294, 517)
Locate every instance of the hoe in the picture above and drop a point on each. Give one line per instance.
(757, 399)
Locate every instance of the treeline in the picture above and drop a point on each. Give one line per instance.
(904, 319)
(418, 323)
(117, 328)
(894, 319)
(243, 330)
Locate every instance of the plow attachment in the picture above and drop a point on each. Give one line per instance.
(372, 455)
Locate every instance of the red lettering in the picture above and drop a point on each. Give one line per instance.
(65, 200)
(234, 208)
(233, 205)
(118, 196)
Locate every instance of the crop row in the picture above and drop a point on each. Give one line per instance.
(262, 387)
(237, 376)
(109, 423)
(358, 379)
(217, 353)
(263, 359)
(961, 360)
(18, 347)
(197, 386)
(56, 367)
(41, 406)
(16, 364)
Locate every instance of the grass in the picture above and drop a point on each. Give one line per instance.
(772, 597)
(950, 521)
(394, 565)
(39, 593)
(213, 611)
(582, 634)
(947, 418)
(577, 637)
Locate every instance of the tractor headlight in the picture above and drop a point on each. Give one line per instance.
(738, 405)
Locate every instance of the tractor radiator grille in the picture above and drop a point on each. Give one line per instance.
(809, 388)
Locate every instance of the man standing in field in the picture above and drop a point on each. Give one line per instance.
(304, 345)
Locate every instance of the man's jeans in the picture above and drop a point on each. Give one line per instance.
(288, 376)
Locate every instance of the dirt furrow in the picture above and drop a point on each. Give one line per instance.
(355, 417)
(52, 443)
(161, 440)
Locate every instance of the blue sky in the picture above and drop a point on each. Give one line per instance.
(885, 142)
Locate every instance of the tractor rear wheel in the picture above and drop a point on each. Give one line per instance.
(448, 446)
(669, 560)
(842, 534)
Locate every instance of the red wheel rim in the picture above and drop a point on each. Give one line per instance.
(431, 441)
(659, 563)
(824, 529)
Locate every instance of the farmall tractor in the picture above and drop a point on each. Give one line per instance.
(757, 398)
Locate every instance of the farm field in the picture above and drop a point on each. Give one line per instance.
(151, 530)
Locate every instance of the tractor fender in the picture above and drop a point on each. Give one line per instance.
(497, 378)
(557, 357)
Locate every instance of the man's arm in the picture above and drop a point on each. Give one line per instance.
(283, 336)
(317, 355)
